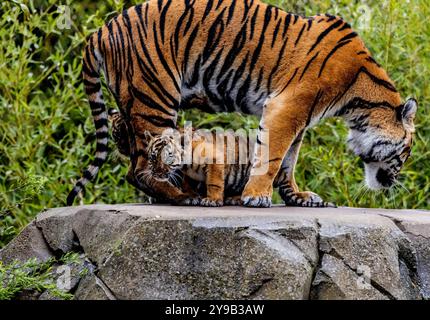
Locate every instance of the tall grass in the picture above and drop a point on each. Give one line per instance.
(47, 136)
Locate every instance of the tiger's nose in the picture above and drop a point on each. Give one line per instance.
(384, 178)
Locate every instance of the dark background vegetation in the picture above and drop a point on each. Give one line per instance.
(47, 135)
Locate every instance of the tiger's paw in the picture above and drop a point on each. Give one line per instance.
(208, 202)
(260, 201)
(233, 201)
(306, 199)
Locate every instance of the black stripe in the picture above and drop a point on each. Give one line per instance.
(345, 27)
(214, 36)
(310, 21)
(196, 73)
(162, 59)
(253, 22)
(349, 36)
(144, 49)
(256, 55)
(246, 9)
(286, 25)
(239, 72)
(277, 65)
(308, 65)
(188, 47)
(300, 35)
(371, 60)
(97, 108)
(275, 33)
(149, 102)
(157, 121)
(236, 48)
(208, 9)
(189, 22)
(325, 33)
(380, 82)
(289, 81)
(101, 147)
(91, 88)
(89, 72)
(332, 52)
(163, 19)
(231, 11)
(100, 123)
(102, 135)
(242, 93)
(311, 112)
(219, 4)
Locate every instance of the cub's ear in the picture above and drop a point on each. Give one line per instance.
(148, 136)
(409, 112)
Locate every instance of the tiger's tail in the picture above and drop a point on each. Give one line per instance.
(92, 63)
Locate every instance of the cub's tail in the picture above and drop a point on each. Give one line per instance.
(92, 63)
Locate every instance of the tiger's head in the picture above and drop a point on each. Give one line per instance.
(382, 137)
(164, 156)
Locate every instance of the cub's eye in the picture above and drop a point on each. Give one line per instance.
(153, 157)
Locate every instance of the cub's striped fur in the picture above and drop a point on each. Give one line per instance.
(245, 56)
(224, 182)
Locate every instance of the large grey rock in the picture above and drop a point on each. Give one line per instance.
(163, 252)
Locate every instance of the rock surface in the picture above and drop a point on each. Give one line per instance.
(163, 252)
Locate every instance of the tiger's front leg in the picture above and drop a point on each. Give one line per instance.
(284, 121)
(288, 188)
(279, 127)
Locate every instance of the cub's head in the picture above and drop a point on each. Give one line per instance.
(382, 137)
(164, 155)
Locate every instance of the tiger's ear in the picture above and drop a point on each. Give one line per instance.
(148, 136)
(409, 112)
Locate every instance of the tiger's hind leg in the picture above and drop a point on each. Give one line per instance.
(288, 189)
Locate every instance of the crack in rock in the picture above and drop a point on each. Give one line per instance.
(333, 252)
(258, 289)
(373, 283)
(105, 288)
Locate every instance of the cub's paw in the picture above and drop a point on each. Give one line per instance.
(306, 199)
(259, 201)
(208, 202)
(188, 202)
(233, 201)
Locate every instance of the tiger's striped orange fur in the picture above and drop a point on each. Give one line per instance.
(245, 56)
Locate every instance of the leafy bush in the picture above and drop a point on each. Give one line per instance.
(33, 275)
(47, 135)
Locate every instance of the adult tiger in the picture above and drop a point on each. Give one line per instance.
(246, 56)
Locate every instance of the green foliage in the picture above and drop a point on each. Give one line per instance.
(33, 276)
(47, 135)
